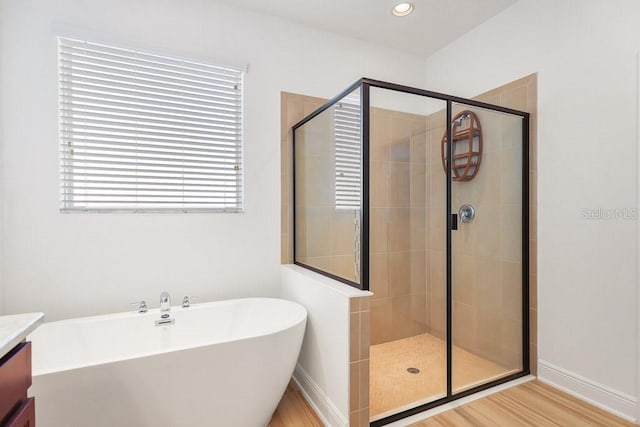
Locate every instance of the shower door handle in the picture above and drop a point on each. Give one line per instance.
(454, 221)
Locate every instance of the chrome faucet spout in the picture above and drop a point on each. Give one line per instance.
(165, 304)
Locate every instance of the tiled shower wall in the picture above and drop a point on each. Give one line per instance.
(487, 262)
(397, 225)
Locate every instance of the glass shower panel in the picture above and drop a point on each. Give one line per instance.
(407, 252)
(328, 170)
(486, 194)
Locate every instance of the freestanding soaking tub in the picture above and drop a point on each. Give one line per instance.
(224, 364)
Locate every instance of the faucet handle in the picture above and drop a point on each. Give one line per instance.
(142, 306)
(187, 300)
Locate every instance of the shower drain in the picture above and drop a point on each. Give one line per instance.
(413, 370)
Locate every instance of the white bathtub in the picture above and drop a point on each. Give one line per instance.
(221, 364)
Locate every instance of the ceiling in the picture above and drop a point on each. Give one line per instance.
(432, 25)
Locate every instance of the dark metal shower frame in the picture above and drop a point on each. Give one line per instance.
(365, 84)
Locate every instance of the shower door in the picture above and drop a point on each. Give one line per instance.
(421, 198)
(486, 245)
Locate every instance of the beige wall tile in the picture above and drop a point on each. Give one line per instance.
(434, 149)
(511, 337)
(436, 272)
(533, 328)
(515, 98)
(364, 417)
(463, 326)
(400, 127)
(364, 384)
(488, 333)
(418, 143)
(380, 135)
(511, 233)
(490, 122)
(488, 292)
(464, 239)
(437, 318)
(379, 182)
(511, 290)
(464, 279)
(487, 182)
(401, 322)
(399, 273)
(295, 111)
(419, 313)
(400, 150)
(379, 230)
(321, 263)
(533, 291)
(379, 275)
(437, 186)
(510, 173)
(487, 230)
(354, 418)
(311, 182)
(318, 231)
(342, 232)
(285, 247)
(417, 184)
(354, 337)
(511, 132)
(417, 229)
(354, 385)
(344, 266)
(365, 337)
(399, 228)
(399, 184)
(381, 328)
(311, 104)
(418, 272)
(464, 192)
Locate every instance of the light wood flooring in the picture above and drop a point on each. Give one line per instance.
(294, 411)
(392, 388)
(530, 404)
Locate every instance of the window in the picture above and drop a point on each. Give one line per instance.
(142, 132)
(346, 119)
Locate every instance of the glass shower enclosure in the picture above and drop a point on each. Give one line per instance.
(421, 198)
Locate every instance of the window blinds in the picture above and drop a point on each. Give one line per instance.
(348, 152)
(142, 132)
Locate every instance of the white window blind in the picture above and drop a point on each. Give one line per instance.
(142, 132)
(346, 118)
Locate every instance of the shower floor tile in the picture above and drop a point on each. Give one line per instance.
(393, 389)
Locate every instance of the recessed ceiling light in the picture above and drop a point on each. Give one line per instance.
(402, 9)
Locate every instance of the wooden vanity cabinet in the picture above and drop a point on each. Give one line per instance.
(16, 410)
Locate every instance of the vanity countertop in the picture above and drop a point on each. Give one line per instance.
(15, 327)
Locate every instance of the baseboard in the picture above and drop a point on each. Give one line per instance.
(600, 395)
(326, 410)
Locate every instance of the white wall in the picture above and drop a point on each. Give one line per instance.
(322, 370)
(585, 53)
(80, 264)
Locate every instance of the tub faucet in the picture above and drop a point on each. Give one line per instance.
(165, 304)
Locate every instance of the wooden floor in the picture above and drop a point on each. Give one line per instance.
(294, 411)
(530, 404)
